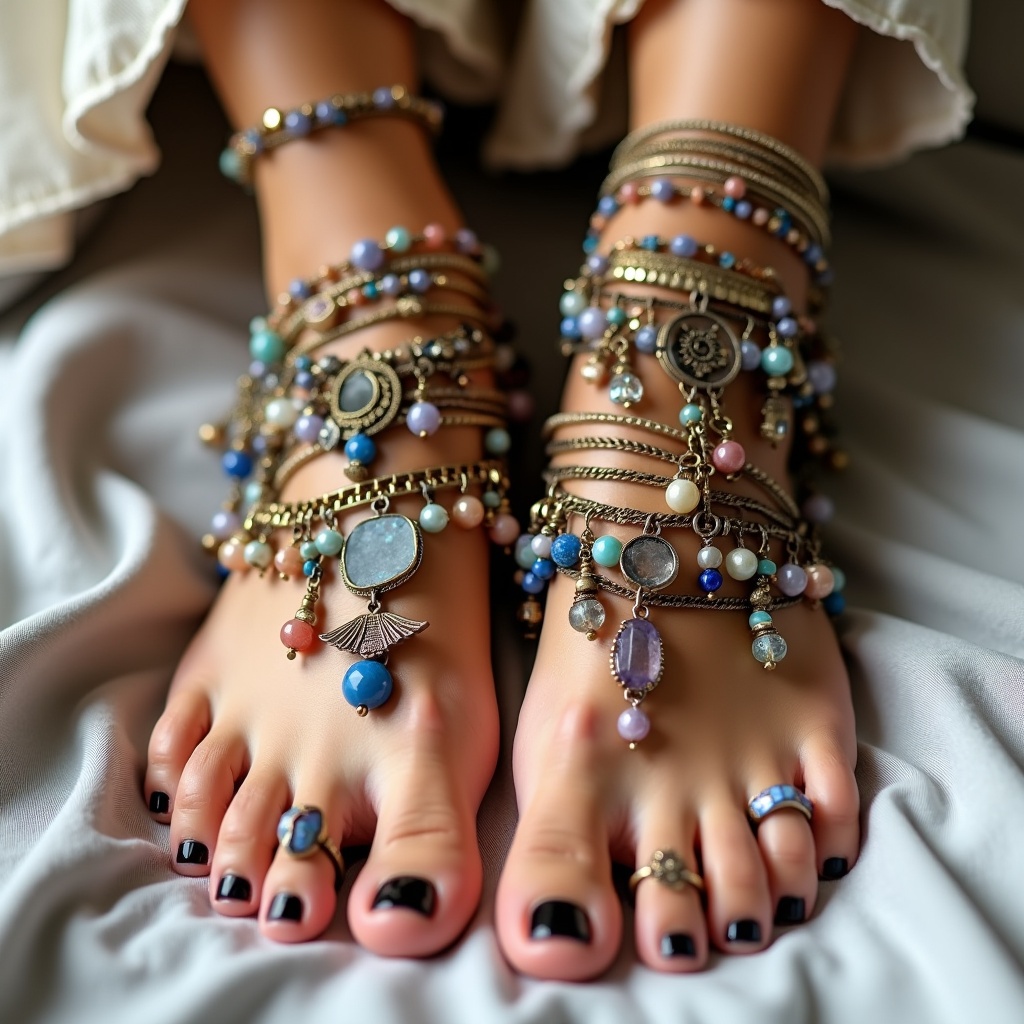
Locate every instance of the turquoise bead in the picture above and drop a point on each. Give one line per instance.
(497, 441)
(309, 567)
(572, 304)
(433, 517)
(840, 580)
(309, 550)
(492, 499)
(230, 164)
(615, 316)
(398, 239)
(328, 542)
(257, 323)
(606, 551)
(690, 413)
(371, 291)
(758, 618)
(776, 361)
(267, 346)
(766, 567)
(523, 552)
(253, 493)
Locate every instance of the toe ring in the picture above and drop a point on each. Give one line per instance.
(667, 867)
(301, 832)
(776, 798)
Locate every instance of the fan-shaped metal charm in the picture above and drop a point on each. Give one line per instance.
(373, 634)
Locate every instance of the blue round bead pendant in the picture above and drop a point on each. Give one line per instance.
(367, 685)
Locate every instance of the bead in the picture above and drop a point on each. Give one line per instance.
(466, 242)
(468, 512)
(230, 164)
(741, 563)
(367, 684)
(683, 245)
(308, 550)
(297, 635)
(355, 297)
(597, 263)
(258, 554)
(590, 243)
(736, 187)
(607, 206)
(572, 303)
(329, 542)
(819, 582)
(776, 361)
(728, 204)
(690, 413)
(360, 448)
(267, 346)
(434, 236)
(299, 289)
(541, 546)
(759, 618)
(586, 615)
(791, 579)
(729, 457)
(766, 567)
(419, 281)
(504, 529)
(236, 464)
(838, 580)
(565, 550)
(543, 568)
(818, 508)
(592, 322)
(433, 517)
(532, 583)
(649, 242)
(727, 260)
(491, 499)
(423, 418)
(252, 493)
(710, 580)
(497, 441)
(633, 725)
(760, 216)
(370, 291)
(570, 328)
(697, 195)
(521, 406)
(625, 389)
(231, 555)
(781, 306)
(822, 376)
(307, 428)
(787, 327)
(709, 557)
(630, 192)
(594, 371)
(663, 190)
(682, 496)
(743, 209)
(223, 524)
(383, 98)
(769, 647)
(750, 355)
(834, 604)
(367, 255)
(398, 239)
(616, 316)
(523, 551)
(279, 412)
(309, 567)
(606, 551)
(288, 561)
(646, 339)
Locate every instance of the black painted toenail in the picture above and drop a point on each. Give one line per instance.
(678, 944)
(834, 867)
(234, 888)
(743, 931)
(285, 908)
(191, 852)
(159, 802)
(791, 910)
(559, 919)
(411, 893)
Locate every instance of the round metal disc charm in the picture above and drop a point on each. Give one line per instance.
(649, 562)
(699, 350)
(365, 397)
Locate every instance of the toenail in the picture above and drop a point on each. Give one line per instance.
(411, 893)
(285, 908)
(159, 803)
(232, 887)
(791, 910)
(743, 931)
(559, 919)
(678, 944)
(834, 867)
(191, 852)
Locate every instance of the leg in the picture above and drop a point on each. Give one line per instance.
(246, 733)
(723, 732)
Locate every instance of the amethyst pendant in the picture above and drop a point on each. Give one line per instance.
(636, 660)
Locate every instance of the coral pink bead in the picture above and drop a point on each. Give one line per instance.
(735, 187)
(729, 457)
(629, 193)
(231, 554)
(820, 582)
(355, 297)
(468, 512)
(434, 236)
(760, 217)
(697, 195)
(288, 562)
(505, 529)
(297, 635)
(598, 222)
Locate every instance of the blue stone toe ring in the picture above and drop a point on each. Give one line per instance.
(301, 833)
(776, 798)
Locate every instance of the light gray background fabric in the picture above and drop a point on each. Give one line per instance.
(103, 489)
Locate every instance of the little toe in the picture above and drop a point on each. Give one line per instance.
(557, 914)
(739, 903)
(671, 933)
(832, 787)
(177, 733)
(246, 844)
(203, 794)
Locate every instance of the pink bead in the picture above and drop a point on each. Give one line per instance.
(629, 193)
(598, 222)
(434, 236)
(355, 297)
(468, 512)
(760, 217)
(820, 582)
(729, 457)
(231, 554)
(735, 187)
(297, 635)
(288, 562)
(634, 725)
(505, 529)
(520, 406)
(697, 195)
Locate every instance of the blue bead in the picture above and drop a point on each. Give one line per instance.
(532, 583)
(298, 123)
(727, 260)
(728, 204)
(743, 209)
(590, 243)
(781, 306)
(766, 567)
(834, 604)
(615, 316)
(565, 550)
(367, 683)
(360, 448)
(607, 206)
(570, 328)
(606, 551)
(597, 263)
(367, 255)
(419, 280)
(230, 164)
(683, 245)
(370, 290)
(383, 98)
(787, 327)
(323, 112)
(814, 254)
(757, 618)
(710, 580)
(543, 568)
(236, 464)
(690, 413)
(785, 223)
(254, 139)
(649, 242)
(309, 551)
(497, 441)
(750, 354)
(646, 339)
(303, 362)
(491, 499)
(663, 190)
(298, 289)
(309, 567)
(304, 379)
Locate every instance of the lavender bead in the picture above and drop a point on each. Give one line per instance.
(822, 377)
(307, 428)
(743, 209)
(683, 245)
(367, 254)
(257, 368)
(781, 306)
(423, 418)
(383, 98)
(634, 725)
(304, 379)
(750, 355)
(224, 524)
(646, 339)
(419, 281)
(818, 508)
(663, 190)
(597, 263)
(466, 242)
(592, 322)
(787, 327)
(298, 123)
(298, 289)
(391, 284)
(791, 579)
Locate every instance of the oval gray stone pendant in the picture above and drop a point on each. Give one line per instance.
(649, 562)
(366, 396)
(381, 553)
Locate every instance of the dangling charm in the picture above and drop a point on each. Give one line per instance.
(587, 613)
(297, 633)
(768, 647)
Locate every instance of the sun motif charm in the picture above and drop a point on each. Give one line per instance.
(699, 350)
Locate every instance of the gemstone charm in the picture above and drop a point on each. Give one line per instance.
(299, 830)
(381, 553)
(587, 616)
(636, 660)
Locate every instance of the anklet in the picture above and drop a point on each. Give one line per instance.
(278, 126)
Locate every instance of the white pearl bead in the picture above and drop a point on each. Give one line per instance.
(741, 564)
(709, 557)
(541, 546)
(258, 554)
(682, 496)
(280, 412)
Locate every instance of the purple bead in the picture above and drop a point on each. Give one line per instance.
(646, 339)
(323, 112)
(683, 245)
(419, 280)
(298, 123)
(307, 428)
(787, 327)
(298, 289)
(814, 254)
(592, 322)
(636, 654)
(791, 579)
(259, 444)
(223, 524)
(597, 263)
(663, 190)
(257, 368)
(822, 377)
(423, 418)
(781, 306)
(391, 284)
(367, 255)
(743, 209)
(634, 725)
(818, 508)
(750, 355)
(466, 242)
(304, 379)
(383, 98)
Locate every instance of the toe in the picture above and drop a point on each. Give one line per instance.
(246, 844)
(671, 934)
(557, 912)
(203, 794)
(830, 783)
(739, 904)
(177, 733)
(421, 884)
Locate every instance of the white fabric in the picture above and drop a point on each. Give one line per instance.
(75, 77)
(103, 489)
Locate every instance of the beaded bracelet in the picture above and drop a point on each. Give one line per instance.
(278, 126)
